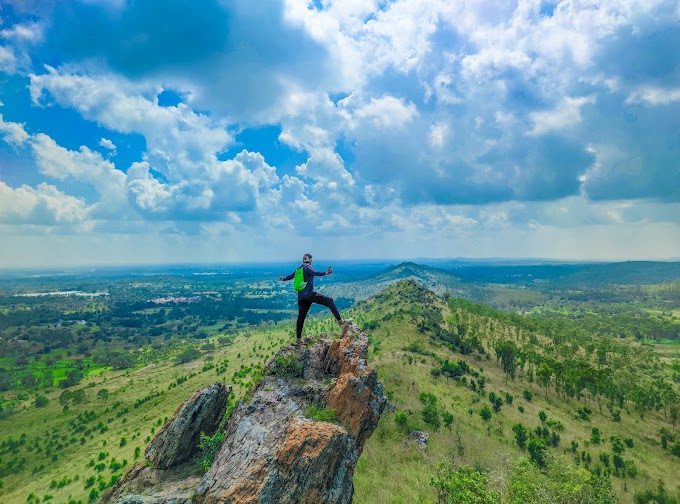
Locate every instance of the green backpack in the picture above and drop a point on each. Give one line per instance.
(299, 283)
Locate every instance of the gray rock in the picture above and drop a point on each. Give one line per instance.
(148, 485)
(178, 439)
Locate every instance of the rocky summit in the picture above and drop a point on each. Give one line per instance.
(295, 439)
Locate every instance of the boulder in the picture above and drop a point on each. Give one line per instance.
(178, 439)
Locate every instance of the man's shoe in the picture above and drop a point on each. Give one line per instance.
(343, 322)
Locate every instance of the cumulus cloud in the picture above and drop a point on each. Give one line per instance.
(83, 165)
(566, 114)
(654, 96)
(107, 144)
(180, 142)
(26, 33)
(45, 205)
(12, 132)
(404, 117)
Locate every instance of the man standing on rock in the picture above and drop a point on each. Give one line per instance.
(304, 284)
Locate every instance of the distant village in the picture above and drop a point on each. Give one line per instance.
(175, 300)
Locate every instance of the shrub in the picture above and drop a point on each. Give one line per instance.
(319, 414)
(617, 445)
(448, 419)
(558, 483)
(658, 497)
(209, 446)
(41, 401)
(401, 419)
(94, 495)
(287, 366)
(537, 451)
(521, 435)
(187, 356)
(430, 413)
(462, 484)
(485, 413)
(528, 395)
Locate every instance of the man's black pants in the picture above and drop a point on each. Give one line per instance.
(305, 304)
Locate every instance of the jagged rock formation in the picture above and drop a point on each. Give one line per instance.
(176, 442)
(178, 439)
(273, 451)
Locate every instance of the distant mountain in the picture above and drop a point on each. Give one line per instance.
(590, 274)
(437, 280)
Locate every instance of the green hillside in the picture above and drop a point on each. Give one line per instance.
(82, 439)
(595, 411)
(591, 395)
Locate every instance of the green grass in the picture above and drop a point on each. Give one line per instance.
(388, 471)
(136, 425)
(320, 414)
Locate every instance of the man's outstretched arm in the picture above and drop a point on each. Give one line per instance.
(321, 273)
(289, 277)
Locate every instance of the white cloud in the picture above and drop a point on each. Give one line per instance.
(8, 60)
(13, 133)
(654, 96)
(180, 142)
(44, 205)
(107, 144)
(566, 114)
(83, 165)
(438, 135)
(386, 112)
(325, 165)
(28, 33)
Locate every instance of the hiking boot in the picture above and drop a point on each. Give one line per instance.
(343, 322)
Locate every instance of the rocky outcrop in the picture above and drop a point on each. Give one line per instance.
(169, 480)
(178, 439)
(296, 439)
(148, 485)
(274, 452)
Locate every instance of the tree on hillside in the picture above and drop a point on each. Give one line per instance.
(485, 413)
(48, 379)
(544, 376)
(507, 353)
(521, 435)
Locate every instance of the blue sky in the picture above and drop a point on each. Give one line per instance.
(144, 132)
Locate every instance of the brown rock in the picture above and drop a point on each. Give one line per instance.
(272, 453)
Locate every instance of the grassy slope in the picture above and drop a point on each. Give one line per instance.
(388, 471)
(125, 387)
